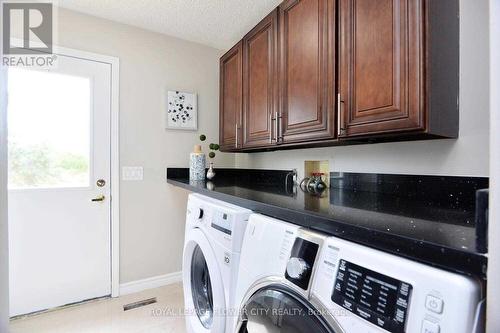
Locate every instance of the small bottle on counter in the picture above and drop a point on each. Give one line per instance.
(197, 162)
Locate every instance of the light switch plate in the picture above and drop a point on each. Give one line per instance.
(132, 173)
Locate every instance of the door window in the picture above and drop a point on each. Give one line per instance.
(49, 131)
(280, 311)
(202, 288)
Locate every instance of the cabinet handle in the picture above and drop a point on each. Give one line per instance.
(271, 119)
(277, 127)
(340, 129)
(236, 142)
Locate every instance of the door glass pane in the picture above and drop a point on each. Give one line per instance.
(49, 129)
(277, 311)
(202, 288)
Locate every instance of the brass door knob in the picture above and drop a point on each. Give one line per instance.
(99, 198)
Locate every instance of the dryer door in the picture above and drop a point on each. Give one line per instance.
(203, 286)
(278, 310)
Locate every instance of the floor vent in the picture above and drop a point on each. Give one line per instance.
(139, 304)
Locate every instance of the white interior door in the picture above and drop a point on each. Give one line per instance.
(59, 150)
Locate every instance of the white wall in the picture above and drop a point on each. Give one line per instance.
(493, 319)
(152, 213)
(467, 156)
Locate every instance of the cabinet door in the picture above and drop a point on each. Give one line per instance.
(230, 99)
(307, 70)
(381, 67)
(260, 83)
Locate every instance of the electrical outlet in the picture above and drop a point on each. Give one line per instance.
(311, 167)
(132, 173)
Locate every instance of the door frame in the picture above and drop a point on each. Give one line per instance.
(4, 233)
(114, 62)
(493, 293)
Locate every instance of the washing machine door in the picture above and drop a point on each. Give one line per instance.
(281, 310)
(203, 286)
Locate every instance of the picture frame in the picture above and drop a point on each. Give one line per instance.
(182, 110)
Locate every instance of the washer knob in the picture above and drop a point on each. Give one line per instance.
(296, 268)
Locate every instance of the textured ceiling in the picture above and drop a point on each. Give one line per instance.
(217, 23)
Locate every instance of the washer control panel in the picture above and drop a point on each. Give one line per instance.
(378, 298)
(367, 290)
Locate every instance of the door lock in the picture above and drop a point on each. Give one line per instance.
(101, 182)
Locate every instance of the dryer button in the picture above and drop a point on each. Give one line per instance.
(434, 304)
(430, 327)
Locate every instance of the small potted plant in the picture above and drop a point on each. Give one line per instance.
(213, 148)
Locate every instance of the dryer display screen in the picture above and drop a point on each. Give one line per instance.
(221, 222)
(378, 298)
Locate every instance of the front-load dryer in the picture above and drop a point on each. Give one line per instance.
(295, 281)
(214, 234)
(370, 291)
(274, 280)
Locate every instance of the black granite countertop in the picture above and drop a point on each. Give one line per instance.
(430, 219)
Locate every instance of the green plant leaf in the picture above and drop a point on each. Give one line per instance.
(211, 154)
(203, 137)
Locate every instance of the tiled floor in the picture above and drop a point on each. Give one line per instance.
(107, 316)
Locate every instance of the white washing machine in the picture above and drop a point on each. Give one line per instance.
(295, 281)
(214, 234)
(275, 275)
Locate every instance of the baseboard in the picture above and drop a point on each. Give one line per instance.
(150, 283)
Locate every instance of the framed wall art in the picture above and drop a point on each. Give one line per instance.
(182, 111)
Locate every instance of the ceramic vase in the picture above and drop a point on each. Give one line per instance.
(197, 162)
(211, 172)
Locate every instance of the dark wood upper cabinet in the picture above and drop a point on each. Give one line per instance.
(260, 84)
(381, 69)
(306, 72)
(230, 100)
(334, 72)
(389, 68)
